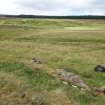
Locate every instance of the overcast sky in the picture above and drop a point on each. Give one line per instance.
(53, 7)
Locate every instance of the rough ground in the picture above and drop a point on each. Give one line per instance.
(75, 45)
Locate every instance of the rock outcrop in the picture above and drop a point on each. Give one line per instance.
(70, 78)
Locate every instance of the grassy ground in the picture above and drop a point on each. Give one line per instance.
(77, 45)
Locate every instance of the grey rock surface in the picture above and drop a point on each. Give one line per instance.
(71, 78)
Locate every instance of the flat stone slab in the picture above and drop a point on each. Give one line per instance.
(70, 78)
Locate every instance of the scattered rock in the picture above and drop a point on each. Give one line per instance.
(99, 91)
(36, 61)
(70, 78)
(99, 68)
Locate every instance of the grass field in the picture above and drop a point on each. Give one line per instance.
(76, 45)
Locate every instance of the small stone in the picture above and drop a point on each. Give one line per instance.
(34, 60)
(99, 68)
(74, 86)
(66, 83)
(37, 100)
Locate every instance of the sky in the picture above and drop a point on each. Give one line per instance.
(53, 7)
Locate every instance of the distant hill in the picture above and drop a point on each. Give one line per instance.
(55, 17)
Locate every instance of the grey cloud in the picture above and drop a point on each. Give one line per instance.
(47, 5)
(63, 7)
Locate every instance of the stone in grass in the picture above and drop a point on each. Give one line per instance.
(99, 91)
(38, 100)
(99, 68)
(70, 78)
(65, 83)
(36, 61)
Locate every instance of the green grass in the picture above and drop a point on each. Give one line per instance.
(76, 45)
(19, 70)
